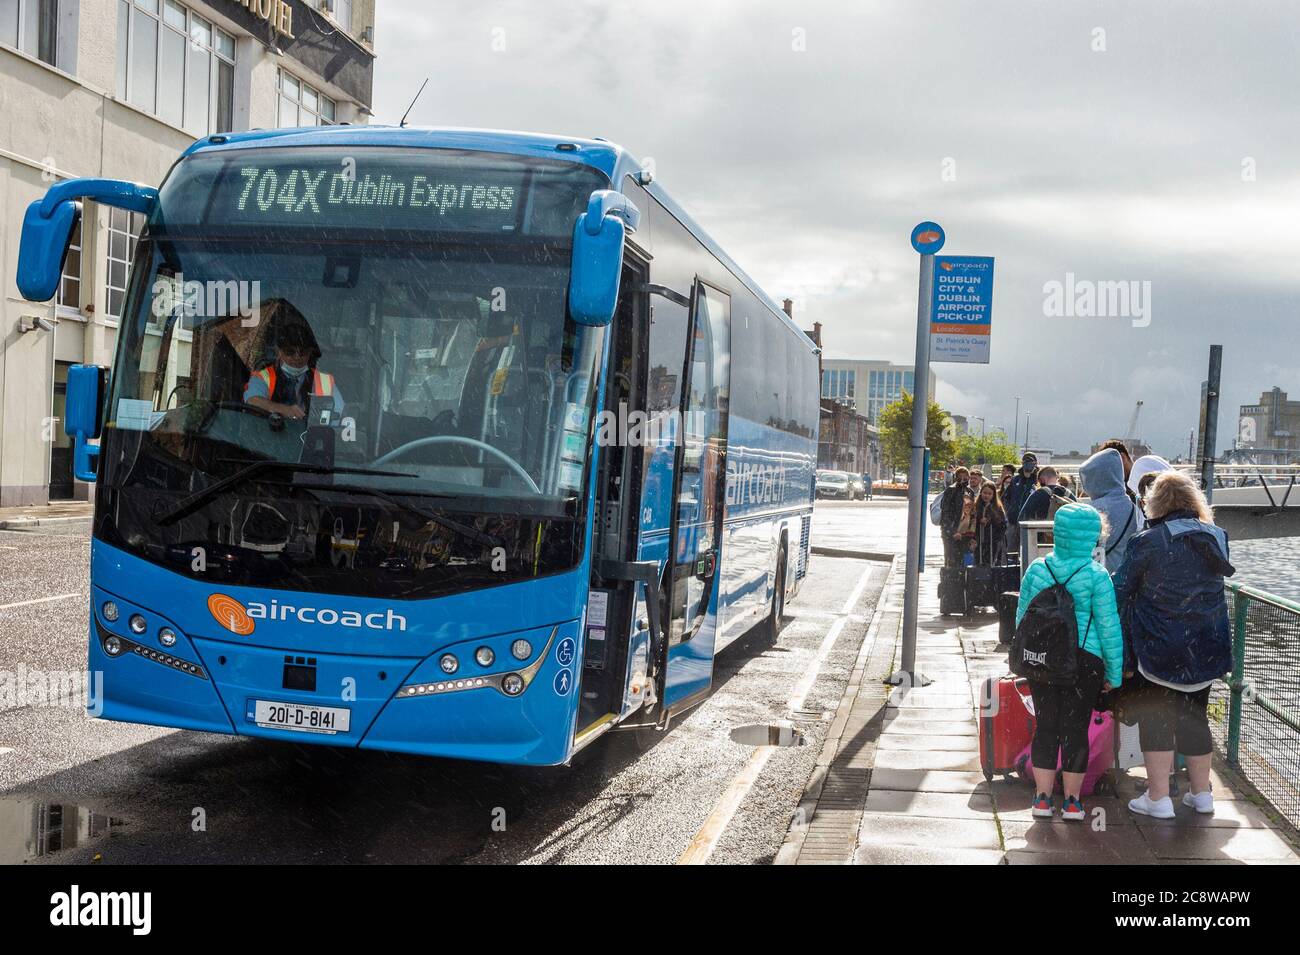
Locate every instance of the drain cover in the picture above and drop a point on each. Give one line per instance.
(767, 734)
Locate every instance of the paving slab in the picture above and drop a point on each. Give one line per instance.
(1066, 857)
(1116, 845)
(936, 701)
(928, 780)
(955, 744)
(938, 805)
(1191, 842)
(890, 830)
(943, 713)
(927, 727)
(922, 855)
(933, 759)
(1228, 814)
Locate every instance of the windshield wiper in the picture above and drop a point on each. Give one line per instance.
(196, 500)
(473, 533)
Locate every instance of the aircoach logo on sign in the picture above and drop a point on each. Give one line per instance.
(237, 618)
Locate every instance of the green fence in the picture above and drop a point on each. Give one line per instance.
(1256, 712)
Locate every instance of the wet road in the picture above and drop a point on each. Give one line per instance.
(72, 788)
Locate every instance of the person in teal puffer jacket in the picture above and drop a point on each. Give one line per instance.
(1063, 712)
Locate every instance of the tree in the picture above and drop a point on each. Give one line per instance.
(896, 434)
(993, 449)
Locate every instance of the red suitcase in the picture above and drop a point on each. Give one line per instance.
(1006, 723)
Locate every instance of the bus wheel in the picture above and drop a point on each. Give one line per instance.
(776, 615)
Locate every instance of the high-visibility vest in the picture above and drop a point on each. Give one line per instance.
(322, 383)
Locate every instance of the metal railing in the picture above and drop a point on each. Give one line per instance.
(1255, 714)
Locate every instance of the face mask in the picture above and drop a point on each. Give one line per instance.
(294, 371)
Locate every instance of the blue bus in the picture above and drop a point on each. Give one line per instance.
(451, 442)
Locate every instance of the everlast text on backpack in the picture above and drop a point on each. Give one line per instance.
(1046, 645)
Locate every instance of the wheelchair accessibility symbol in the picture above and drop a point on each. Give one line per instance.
(565, 651)
(563, 682)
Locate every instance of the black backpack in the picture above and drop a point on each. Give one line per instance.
(1046, 645)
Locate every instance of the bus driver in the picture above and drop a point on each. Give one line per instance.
(292, 384)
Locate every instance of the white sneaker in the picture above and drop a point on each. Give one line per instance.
(1159, 808)
(1201, 802)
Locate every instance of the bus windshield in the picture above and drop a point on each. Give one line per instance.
(353, 371)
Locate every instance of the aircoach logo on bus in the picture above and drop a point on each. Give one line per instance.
(238, 619)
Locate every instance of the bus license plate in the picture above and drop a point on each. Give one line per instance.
(301, 717)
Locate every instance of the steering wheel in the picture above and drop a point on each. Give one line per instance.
(474, 443)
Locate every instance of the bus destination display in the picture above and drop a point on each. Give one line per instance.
(469, 199)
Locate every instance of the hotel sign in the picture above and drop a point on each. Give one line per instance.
(277, 13)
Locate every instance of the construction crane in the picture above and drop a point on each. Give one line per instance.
(1131, 435)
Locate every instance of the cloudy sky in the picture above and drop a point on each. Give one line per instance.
(1136, 141)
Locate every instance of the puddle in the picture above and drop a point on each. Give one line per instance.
(30, 828)
(767, 734)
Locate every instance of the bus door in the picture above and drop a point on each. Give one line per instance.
(699, 490)
(614, 665)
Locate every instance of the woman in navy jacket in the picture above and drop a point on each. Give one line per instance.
(1171, 597)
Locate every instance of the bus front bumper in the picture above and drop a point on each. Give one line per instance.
(397, 703)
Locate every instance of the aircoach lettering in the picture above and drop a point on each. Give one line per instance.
(275, 610)
(238, 618)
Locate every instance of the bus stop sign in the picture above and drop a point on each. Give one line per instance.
(927, 238)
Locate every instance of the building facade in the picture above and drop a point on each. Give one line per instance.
(117, 89)
(868, 386)
(1270, 429)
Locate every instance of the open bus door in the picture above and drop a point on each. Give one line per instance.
(699, 493)
(623, 603)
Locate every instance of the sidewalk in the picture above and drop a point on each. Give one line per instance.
(57, 512)
(901, 773)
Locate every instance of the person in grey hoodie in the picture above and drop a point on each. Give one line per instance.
(1102, 478)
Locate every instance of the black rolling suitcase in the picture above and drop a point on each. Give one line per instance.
(1006, 578)
(1007, 603)
(952, 590)
(979, 587)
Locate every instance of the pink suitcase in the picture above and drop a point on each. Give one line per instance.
(1101, 757)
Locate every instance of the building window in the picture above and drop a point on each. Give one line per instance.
(69, 297)
(302, 105)
(175, 64)
(341, 11)
(31, 26)
(123, 231)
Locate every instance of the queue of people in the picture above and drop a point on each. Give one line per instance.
(1136, 548)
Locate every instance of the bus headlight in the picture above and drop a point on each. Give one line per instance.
(167, 637)
(521, 649)
(112, 646)
(109, 610)
(512, 684)
(137, 623)
(449, 663)
(484, 656)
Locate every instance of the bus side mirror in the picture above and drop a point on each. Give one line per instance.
(48, 225)
(598, 256)
(82, 416)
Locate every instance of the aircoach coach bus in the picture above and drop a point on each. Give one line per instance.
(449, 442)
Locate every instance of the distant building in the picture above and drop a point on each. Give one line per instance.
(847, 439)
(960, 423)
(869, 386)
(1270, 428)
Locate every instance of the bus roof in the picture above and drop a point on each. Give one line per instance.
(613, 160)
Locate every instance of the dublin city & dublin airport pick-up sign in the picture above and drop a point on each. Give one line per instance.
(961, 308)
